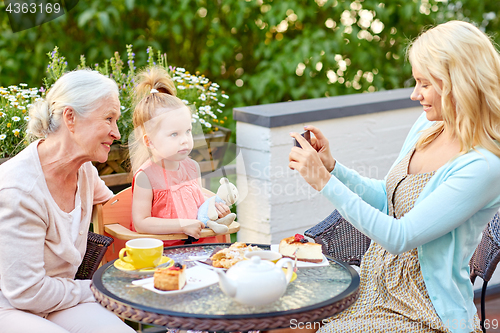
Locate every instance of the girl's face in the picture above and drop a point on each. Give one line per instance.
(173, 140)
(426, 93)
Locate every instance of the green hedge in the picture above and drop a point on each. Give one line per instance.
(258, 51)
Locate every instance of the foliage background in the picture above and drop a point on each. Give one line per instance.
(259, 51)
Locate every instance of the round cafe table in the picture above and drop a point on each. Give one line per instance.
(316, 294)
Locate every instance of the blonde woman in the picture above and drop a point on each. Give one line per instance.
(426, 217)
(46, 197)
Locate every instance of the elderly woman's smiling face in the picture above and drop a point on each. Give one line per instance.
(95, 132)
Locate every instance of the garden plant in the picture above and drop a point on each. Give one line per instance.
(204, 97)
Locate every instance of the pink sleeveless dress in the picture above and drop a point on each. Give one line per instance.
(176, 194)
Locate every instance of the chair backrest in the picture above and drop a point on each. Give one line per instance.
(96, 248)
(487, 255)
(340, 239)
(119, 209)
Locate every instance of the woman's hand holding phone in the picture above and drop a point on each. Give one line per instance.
(320, 143)
(310, 160)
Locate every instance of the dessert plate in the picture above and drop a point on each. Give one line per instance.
(303, 264)
(197, 277)
(129, 268)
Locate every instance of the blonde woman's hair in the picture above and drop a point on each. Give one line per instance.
(82, 90)
(154, 95)
(467, 63)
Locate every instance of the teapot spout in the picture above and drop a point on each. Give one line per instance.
(227, 285)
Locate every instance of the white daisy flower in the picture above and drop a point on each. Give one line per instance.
(16, 118)
(2, 136)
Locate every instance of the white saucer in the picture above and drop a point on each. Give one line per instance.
(197, 277)
(129, 268)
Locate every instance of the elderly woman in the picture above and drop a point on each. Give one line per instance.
(46, 197)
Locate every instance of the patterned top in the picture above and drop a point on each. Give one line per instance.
(392, 294)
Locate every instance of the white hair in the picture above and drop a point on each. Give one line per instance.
(82, 90)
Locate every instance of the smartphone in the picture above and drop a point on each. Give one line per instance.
(306, 135)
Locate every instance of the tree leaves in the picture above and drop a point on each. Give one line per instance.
(276, 50)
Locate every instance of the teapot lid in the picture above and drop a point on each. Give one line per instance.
(255, 264)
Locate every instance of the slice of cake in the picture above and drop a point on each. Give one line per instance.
(172, 278)
(306, 251)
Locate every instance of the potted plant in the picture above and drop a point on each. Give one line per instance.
(203, 96)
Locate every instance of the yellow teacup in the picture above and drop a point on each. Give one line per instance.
(264, 255)
(142, 252)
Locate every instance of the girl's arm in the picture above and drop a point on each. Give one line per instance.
(141, 213)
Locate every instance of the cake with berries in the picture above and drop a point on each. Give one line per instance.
(305, 250)
(171, 278)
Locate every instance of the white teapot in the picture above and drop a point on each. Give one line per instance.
(255, 281)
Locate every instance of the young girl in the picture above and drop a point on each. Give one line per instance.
(167, 183)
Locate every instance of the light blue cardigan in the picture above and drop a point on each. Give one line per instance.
(445, 224)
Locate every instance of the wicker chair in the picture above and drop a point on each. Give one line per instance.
(485, 259)
(342, 241)
(96, 248)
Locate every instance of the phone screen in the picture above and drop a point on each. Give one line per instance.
(306, 135)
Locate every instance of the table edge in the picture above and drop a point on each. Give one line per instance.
(350, 290)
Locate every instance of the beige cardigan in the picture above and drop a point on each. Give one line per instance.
(38, 260)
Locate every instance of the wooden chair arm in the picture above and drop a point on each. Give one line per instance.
(207, 193)
(120, 232)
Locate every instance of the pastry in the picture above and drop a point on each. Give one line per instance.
(306, 251)
(172, 278)
(230, 256)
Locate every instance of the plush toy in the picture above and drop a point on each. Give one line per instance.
(207, 213)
